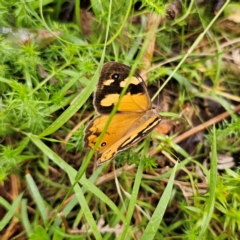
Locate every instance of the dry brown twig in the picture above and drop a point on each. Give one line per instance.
(205, 125)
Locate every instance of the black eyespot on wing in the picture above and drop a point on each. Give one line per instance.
(115, 76)
(103, 144)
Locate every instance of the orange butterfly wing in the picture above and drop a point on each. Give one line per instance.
(133, 119)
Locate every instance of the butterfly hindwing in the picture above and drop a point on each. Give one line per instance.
(123, 131)
(134, 134)
(119, 125)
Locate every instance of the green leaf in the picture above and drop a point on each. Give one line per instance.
(37, 197)
(39, 234)
(212, 191)
(153, 225)
(11, 211)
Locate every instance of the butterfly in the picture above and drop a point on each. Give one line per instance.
(134, 118)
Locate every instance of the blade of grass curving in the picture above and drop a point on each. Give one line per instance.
(11, 211)
(212, 188)
(120, 28)
(157, 216)
(219, 63)
(5, 204)
(38, 198)
(25, 220)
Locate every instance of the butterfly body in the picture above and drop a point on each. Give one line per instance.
(134, 118)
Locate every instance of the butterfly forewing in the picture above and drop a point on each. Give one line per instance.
(113, 78)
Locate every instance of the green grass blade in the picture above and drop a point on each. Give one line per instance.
(212, 189)
(37, 197)
(133, 200)
(84, 205)
(25, 220)
(10, 212)
(157, 216)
